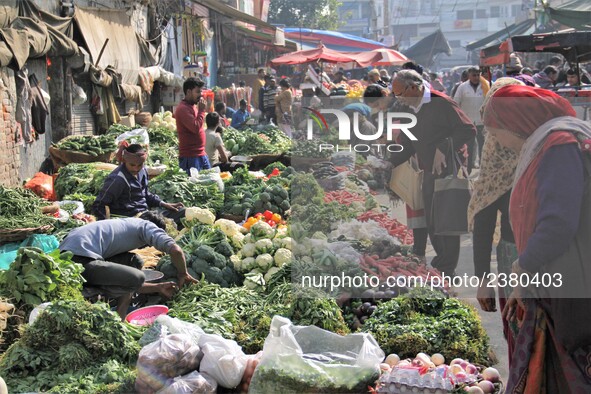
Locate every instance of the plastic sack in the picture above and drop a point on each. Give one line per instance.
(164, 359)
(78, 95)
(136, 136)
(223, 359)
(177, 326)
(298, 359)
(78, 209)
(37, 310)
(207, 177)
(192, 383)
(42, 185)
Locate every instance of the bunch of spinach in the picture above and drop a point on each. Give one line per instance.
(35, 277)
(175, 186)
(79, 178)
(71, 342)
(426, 321)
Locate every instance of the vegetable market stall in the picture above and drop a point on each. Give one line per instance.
(252, 273)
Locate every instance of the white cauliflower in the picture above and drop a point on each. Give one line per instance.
(228, 227)
(236, 262)
(262, 230)
(282, 256)
(263, 246)
(201, 214)
(248, 250)
(247, 264)
(272, 271)
(264, 261)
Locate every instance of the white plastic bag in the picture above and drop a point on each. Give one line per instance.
(209, 177)
(164, 359)
(299, 359)
(222, 359)
(192, 383)
(177, 326)
(136, 136)
(78, 95)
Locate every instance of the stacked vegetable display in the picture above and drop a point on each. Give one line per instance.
(21, 208)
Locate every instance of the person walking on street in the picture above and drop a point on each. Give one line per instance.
(257, 85)
(442, 128)
(189, 117)
(470, 97)
(283, 102)
(546, 78)
(103, 248)
(269, 93)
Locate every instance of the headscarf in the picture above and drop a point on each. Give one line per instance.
(497, 165)
(522, 109)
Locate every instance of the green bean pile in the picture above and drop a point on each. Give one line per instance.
(21, 208)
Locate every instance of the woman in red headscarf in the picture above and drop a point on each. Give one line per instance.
(548, 207)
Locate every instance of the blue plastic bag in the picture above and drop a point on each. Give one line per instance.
(47, 243)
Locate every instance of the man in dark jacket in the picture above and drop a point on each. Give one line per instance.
(439, 119)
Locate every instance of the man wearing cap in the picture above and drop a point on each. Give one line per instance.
(514, 71)
(125, 191)
(189, 116)
(442, 128)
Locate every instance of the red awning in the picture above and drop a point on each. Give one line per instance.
(380, 57)
(321, 53)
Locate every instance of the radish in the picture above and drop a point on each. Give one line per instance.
(474, 390)
(461, 376)
(491, 374)
(471, 369)
(437, 359)
(487, 387)
(455, 369)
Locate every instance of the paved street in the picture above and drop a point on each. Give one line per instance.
(490, 321)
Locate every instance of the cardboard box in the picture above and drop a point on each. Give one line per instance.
(128, 121)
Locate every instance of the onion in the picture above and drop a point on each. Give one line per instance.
(456, 361)
(491, 374)
(404, 363)
(425, 360)
(392, 360)
(464, 364)
(438, 359)
(487, 387)
(474, 390)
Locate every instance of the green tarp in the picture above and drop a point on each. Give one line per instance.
(575, 13)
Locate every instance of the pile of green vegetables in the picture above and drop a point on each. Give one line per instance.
(248, 142)
(92, 145)
(21, 208)
(174, 185)
(75, 180)
(162, 136)
(207, 252)
(309, 212)
(73, 347)
(426, 321)
(35, 277)
(304, 149)
(163, 147)
(245, 315)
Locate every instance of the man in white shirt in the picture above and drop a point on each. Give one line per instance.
(470, 97)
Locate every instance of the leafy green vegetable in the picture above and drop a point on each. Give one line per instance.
(35, 277)
(80, 179)
(174, 186)
(71, 342)
(426, 321)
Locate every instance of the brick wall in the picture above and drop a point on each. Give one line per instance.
(9, 150)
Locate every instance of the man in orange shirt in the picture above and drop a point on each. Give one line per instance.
(189, 123)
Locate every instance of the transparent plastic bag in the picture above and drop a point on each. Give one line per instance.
(222, 359)
(136, 136)
(177, 326)
(207, 177)
(164, 359)
(192, 383)
(302, 359)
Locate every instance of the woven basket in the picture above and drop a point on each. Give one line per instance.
(18, 234)
(143, 119)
